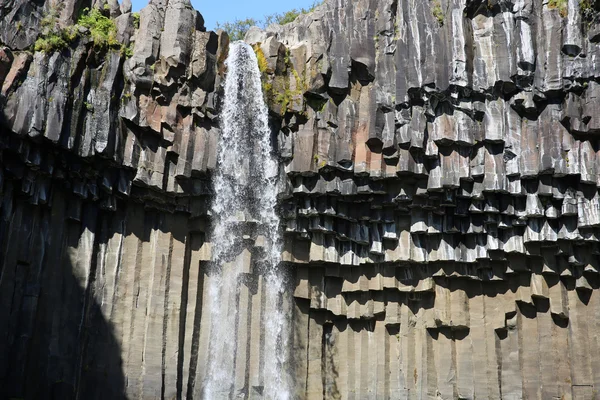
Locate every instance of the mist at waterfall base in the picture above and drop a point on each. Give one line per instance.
(245, 187)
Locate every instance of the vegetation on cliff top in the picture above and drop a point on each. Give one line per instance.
(101, 29)
(52, 36)
(237, 29)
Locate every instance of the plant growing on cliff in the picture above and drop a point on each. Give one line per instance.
(589, 11)
(437, 12)
(585, 5)
(277, 89)
(50, 42)
(262, 60)
(103, 30)
(267, 86)
(284, 99)
(288, 96)
(136, 20)
(560, 5)
(127, 51)
(53, 37)
(319, 162)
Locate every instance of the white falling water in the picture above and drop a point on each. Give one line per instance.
(245, 196)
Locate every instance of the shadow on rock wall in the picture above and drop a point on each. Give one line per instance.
(55, 342)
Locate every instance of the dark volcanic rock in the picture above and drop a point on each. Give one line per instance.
(439, 185)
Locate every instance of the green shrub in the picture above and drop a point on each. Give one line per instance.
(103, 30)
(50, 43)
(56, 39)
(52, 37)
(127, 51)
(136, 20)
(437, 12)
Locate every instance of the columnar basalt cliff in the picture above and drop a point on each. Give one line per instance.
(438, 187)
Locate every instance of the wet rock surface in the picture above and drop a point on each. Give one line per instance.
(439, 185)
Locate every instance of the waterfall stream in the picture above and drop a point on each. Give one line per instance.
(243, 210)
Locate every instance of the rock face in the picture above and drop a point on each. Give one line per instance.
(439, 184)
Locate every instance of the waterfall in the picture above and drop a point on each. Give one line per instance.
(244, 208)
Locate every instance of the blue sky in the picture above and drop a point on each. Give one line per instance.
(229, 10)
